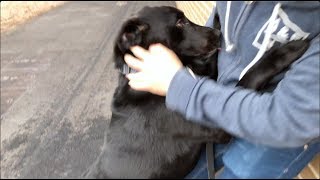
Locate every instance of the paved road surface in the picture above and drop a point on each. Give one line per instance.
(57, 81)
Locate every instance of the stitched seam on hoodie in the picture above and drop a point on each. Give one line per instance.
(238, 20)
(242, 21)
(225, 74)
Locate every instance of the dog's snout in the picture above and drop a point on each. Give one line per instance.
(216, 32)
(204, 42)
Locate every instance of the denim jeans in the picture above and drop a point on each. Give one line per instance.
(241, 159)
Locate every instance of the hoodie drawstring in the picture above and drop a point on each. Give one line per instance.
(229, 45)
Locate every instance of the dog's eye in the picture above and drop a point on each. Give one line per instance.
(181, 22)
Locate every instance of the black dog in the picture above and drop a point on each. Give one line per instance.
(146, 140)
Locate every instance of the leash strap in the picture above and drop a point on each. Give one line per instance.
(125, 69)
(210, 160)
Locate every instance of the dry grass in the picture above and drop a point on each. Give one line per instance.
(14, 13)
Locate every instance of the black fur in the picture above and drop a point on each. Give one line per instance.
(273, 62)
(145, 139)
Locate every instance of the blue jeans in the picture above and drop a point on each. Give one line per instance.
(241, 159)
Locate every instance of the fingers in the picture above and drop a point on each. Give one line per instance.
(137, 81)
(139, 85)
(155, 48)
(133, 62)
(158, 48)
(140, 52)
(136, 76)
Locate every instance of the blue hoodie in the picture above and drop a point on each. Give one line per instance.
(285, 115)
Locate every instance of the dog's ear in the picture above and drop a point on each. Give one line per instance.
(132, 34)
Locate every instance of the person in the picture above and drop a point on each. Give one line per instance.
(276, 133)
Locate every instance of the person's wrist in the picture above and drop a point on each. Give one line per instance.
(171, 77)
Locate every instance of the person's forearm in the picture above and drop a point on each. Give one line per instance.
(288, 117)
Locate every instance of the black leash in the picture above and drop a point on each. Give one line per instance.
(125, 69)
(210, 160)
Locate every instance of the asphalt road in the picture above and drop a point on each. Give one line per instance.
(57, 82)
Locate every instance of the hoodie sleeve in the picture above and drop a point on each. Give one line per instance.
(286, 117)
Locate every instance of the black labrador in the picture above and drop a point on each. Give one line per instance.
(145, 139)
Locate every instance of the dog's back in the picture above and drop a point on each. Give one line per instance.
(140, 144)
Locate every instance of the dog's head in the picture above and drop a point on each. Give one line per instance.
(167, 25)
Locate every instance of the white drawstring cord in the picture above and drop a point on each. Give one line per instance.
(229, 46)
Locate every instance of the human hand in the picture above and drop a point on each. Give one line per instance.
(156, 67)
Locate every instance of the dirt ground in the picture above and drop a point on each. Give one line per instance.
(18, 12)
